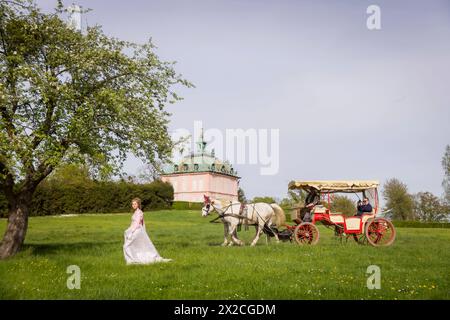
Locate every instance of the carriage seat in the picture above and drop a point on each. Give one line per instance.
(367, 216)
(353, 223)
(337, 217)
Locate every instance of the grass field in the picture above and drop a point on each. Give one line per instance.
(415, 267)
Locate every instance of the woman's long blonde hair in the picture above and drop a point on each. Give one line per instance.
(138, 201)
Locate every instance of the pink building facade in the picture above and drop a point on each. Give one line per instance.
(202, 174)
(192, 186)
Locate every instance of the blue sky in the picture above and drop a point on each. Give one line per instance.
(350, 103)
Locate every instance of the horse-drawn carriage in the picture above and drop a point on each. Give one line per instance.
(267, 218)
(364, 228)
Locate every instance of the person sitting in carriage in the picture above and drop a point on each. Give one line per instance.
(312, 199)
(364, 207)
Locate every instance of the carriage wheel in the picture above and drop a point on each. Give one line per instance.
(380, 232)
(306, 233)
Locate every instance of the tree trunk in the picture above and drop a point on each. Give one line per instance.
(17, 226)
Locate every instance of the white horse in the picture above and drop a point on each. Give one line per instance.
(262, 215)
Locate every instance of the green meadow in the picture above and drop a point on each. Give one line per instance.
(416, 266)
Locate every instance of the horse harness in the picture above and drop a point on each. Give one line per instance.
(222, 215)
(243, 219)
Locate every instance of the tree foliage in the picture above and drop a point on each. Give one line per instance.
(294, 199)
(264, 199)
(70, 174)
(429, 208)
(344, 205)
(66, 96)
(398, 200)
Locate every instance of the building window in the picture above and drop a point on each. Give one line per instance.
(175, 168)
(223, 169)
(185, 167)
(196, 167)
(213, 167)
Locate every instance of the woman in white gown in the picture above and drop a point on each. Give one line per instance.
(138, 248)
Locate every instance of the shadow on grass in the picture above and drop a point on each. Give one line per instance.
(55, 248)
(215, 244)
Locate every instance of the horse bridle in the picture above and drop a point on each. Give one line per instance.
(208, 207)
(220, 212)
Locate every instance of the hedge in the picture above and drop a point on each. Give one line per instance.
(95, 197)
(419, 224)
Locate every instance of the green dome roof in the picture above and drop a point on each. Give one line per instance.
(201, 162)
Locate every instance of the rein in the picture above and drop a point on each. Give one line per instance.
(222, 214)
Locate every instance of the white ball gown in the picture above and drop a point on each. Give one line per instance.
(138, 248)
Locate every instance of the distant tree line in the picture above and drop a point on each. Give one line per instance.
(72, 190)
(422, 206)
(400, 204)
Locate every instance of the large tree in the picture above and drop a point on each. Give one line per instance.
(72, 97)
(398, 200)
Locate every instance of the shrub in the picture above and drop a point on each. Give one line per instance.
(418, 224)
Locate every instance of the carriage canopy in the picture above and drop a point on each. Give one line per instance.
(330, 186)
(369, 188)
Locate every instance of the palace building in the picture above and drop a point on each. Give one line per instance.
(201, 173)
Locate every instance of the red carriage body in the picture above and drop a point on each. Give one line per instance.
(365, 228)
